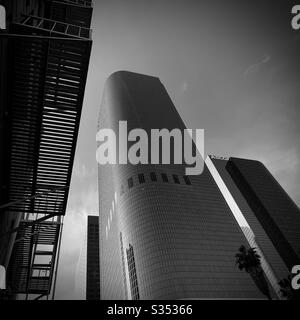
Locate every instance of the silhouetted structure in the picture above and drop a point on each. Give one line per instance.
(44, 58)
(93, 264)
(273, 208)
(272, 218)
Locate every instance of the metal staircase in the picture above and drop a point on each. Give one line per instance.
(48, 60)
(33, 259)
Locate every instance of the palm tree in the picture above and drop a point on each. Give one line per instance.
(287, 290)
(249, 260)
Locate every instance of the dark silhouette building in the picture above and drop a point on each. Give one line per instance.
(274, 209)
(44, 59)
(255, 233)
(93, 264)
(163, 235)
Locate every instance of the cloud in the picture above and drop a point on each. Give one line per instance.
(255, 68)
(81, 171)
(184, 87)
(287, 161)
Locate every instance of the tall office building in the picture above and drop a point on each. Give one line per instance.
(92, 274)
(273, 208)
(44, 58)
(163, 235)
(269, 218)
(249, 219)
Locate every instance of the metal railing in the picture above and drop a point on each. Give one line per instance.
(56, 27)
(81, 3)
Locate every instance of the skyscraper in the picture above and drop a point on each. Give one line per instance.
(92, 274)
(163, 235)
(273, 208)
(268, 217)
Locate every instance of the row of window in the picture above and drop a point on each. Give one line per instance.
(174, 178)
(123, 266)
(132, 274)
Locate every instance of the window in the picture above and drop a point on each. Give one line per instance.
(153, 176)
(187, 180)
(176, 179)
(130, 183)
(123, 266)
(132, 274)
(164, 177)
(122, 189)
(141, 178)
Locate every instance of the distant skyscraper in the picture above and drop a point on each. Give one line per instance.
(274, 209)
(268, 217)
(163, 235)
(92, 275)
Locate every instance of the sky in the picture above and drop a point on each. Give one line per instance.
(230, 67)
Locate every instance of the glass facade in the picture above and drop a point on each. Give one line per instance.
(273, 208)
(182, 236)
(272, 263)
(92, 275)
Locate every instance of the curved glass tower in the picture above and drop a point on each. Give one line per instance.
(163, 235)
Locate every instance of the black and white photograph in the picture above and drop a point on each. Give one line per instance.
(149, 150)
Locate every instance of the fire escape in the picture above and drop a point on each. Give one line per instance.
(48, 62)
